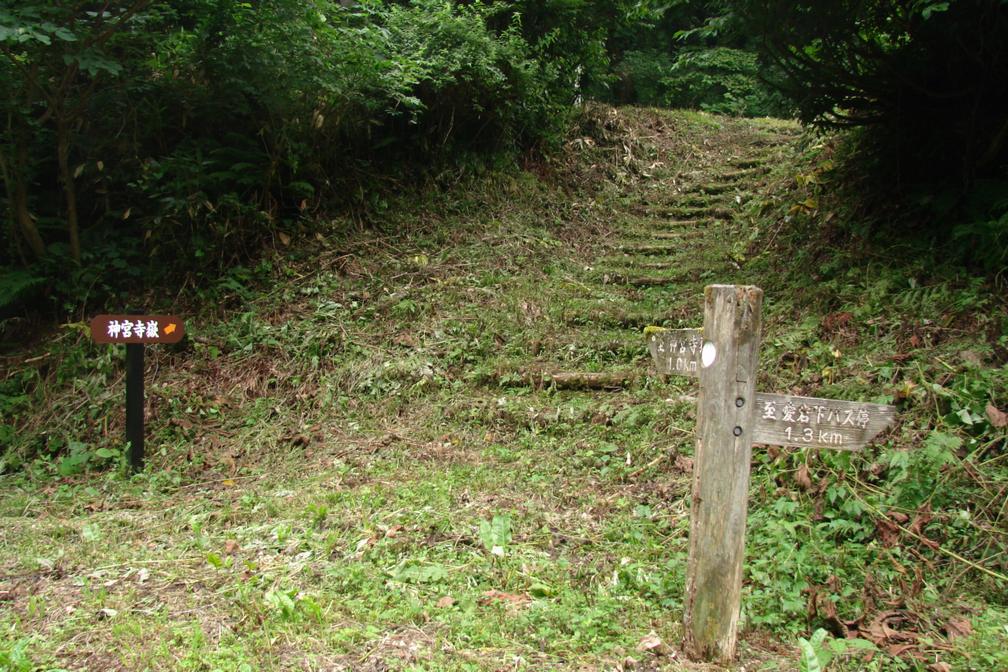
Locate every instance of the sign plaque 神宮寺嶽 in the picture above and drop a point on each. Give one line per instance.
(141, 329)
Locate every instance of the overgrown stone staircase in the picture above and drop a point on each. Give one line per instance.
(676, 234)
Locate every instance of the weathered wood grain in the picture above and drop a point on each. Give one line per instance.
(721, 471)
(786, 420)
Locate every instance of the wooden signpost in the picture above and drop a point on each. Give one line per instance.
(731, 416)
(136, 331)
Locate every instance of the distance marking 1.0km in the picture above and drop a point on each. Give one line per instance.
(677, 351)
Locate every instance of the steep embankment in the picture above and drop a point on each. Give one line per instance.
(437, 445)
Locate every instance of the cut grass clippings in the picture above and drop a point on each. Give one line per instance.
(368, 458)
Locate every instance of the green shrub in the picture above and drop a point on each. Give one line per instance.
(721, 80)
(198, 128)
(929, 75)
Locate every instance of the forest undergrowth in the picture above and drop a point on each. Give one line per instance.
(431, 438)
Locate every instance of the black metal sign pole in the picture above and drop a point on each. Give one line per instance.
(135, 332)
(135, 404)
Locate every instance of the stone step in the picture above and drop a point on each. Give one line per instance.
(648, 250)
(743, 173)
(611, 318)
(685, 234)
(574, 349)
(714, 188)
(666, 233)
(629, 264)
(538, 377)
(541, 408)
(622, 277)
(627, 354)
(751, 162)
(695, 200)
(693, 213)
(677, 224)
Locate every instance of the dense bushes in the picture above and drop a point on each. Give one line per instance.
(149, 130)
(932, 73)
(715, 79)
(187, 130)
(691, 53)
(928, 82)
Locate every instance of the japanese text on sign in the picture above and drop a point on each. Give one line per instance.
(677, 351)
(137, 329)
(810, 421)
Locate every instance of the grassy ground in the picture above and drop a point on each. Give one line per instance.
(366, 455)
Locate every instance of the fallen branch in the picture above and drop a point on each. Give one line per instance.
(640, 470)
(567, 380)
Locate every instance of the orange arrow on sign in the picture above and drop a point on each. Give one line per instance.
(145, 329)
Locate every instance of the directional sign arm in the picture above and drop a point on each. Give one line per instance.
(787, 420)
(137, 329)
(677, 351)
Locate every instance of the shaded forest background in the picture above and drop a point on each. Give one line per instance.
(146, 144)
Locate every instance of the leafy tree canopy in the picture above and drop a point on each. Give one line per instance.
(932, 74)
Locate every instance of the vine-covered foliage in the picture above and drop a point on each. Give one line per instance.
(695, 54)
(145, 130)
(716, 79)
(928, 71)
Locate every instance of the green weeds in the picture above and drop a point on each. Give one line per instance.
(351, 467)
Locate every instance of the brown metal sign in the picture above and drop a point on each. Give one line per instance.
(137, 329)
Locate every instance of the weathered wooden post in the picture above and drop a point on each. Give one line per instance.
(728, 366)
(731, 416)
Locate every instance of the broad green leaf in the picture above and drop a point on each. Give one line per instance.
(808, 662)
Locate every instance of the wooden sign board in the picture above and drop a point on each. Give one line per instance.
(786, 420)
(137, 329)
(677, 351)
(731, 417)
(781, 419)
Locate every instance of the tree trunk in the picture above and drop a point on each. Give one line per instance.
(17, 193)
(69, 189)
